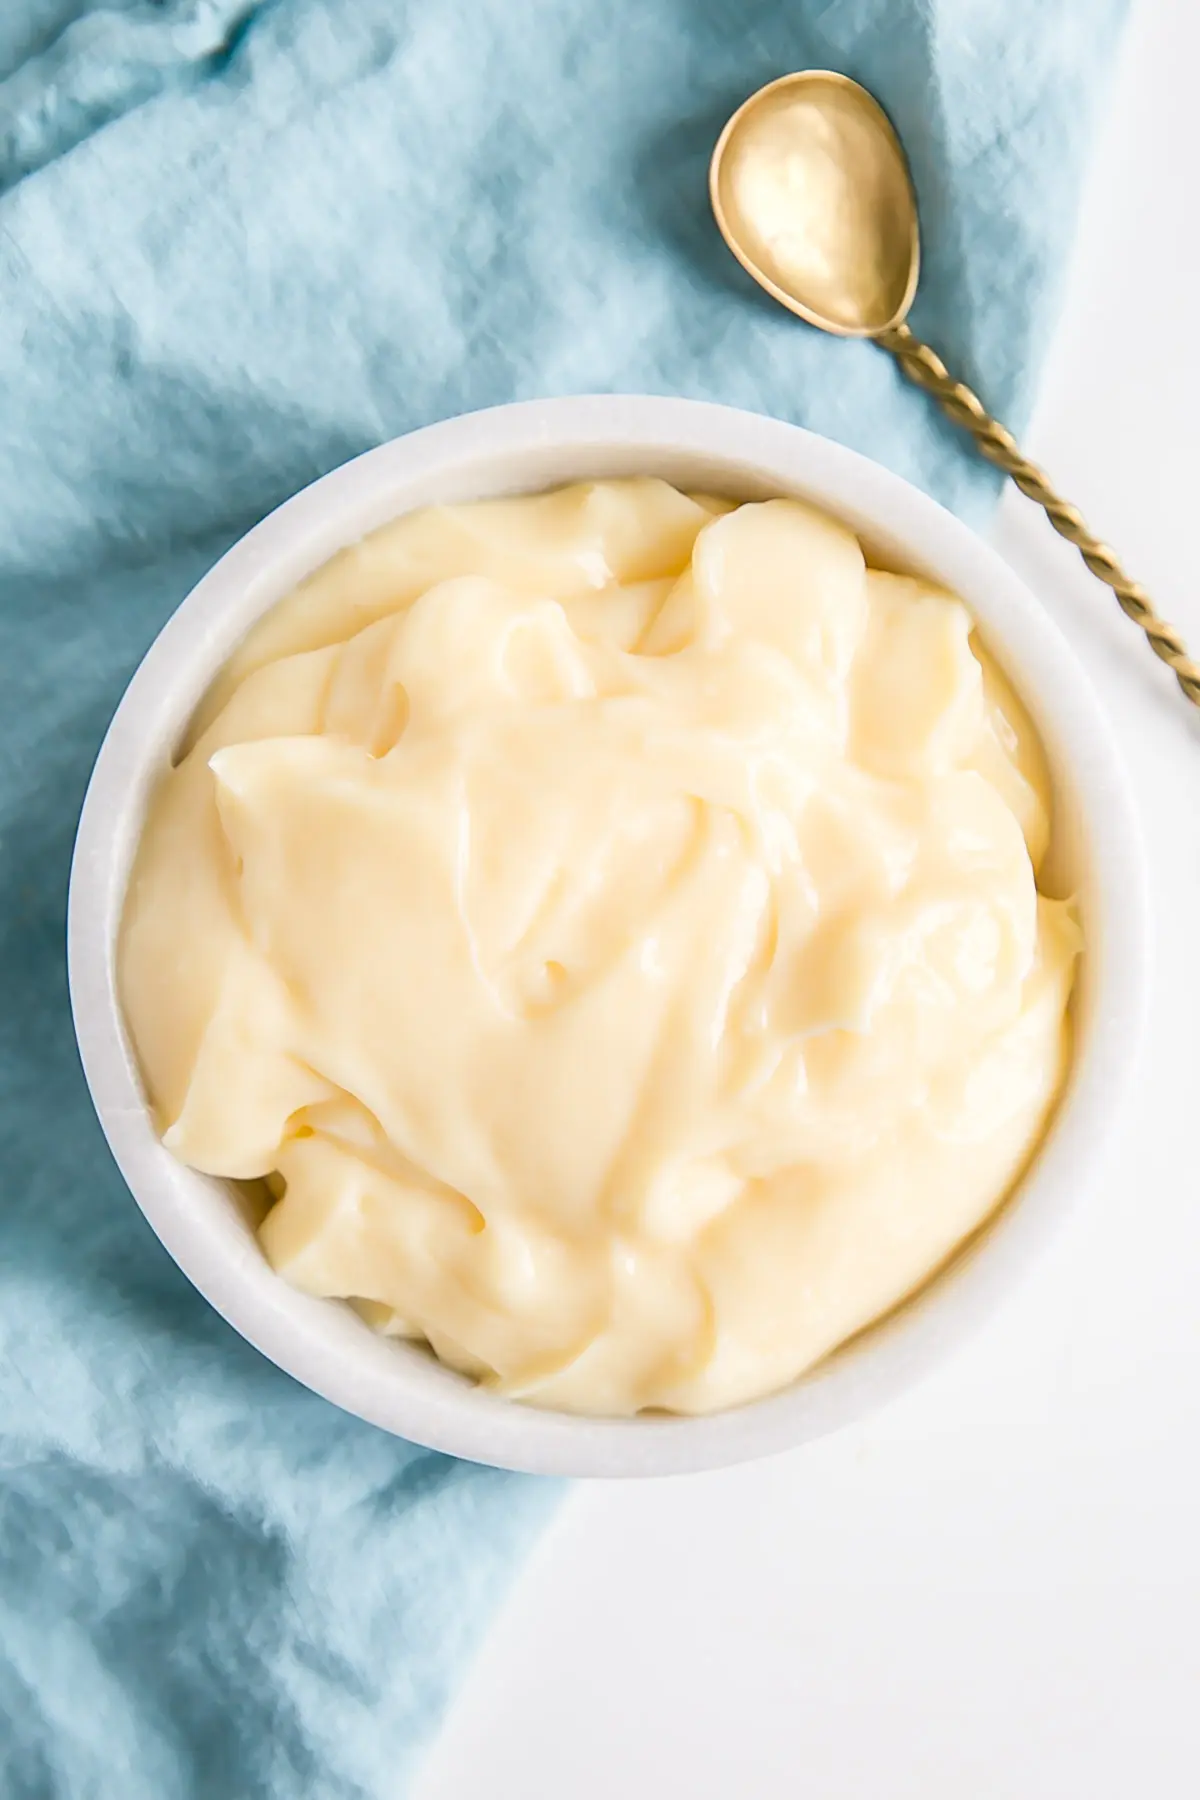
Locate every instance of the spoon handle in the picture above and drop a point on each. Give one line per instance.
(923, 366)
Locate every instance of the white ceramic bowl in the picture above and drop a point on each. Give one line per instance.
(526, 447)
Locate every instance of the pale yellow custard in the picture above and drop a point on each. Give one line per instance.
(609, 920)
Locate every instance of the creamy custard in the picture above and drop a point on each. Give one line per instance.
(609, 920)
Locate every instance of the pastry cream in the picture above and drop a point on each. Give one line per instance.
(609, 921)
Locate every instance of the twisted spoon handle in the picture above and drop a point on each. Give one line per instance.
(923, 366)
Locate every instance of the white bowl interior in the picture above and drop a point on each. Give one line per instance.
(208, 1225)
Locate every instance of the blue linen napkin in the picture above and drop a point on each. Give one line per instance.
(238, 244)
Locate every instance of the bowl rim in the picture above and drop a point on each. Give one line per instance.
(421, 1401)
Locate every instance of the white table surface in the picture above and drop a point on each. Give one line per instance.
(990, 1591)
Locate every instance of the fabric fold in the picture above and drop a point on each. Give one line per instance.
(103, 64)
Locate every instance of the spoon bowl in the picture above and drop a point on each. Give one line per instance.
(812, 193)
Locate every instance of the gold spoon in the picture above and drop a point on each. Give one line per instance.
(812, 193)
